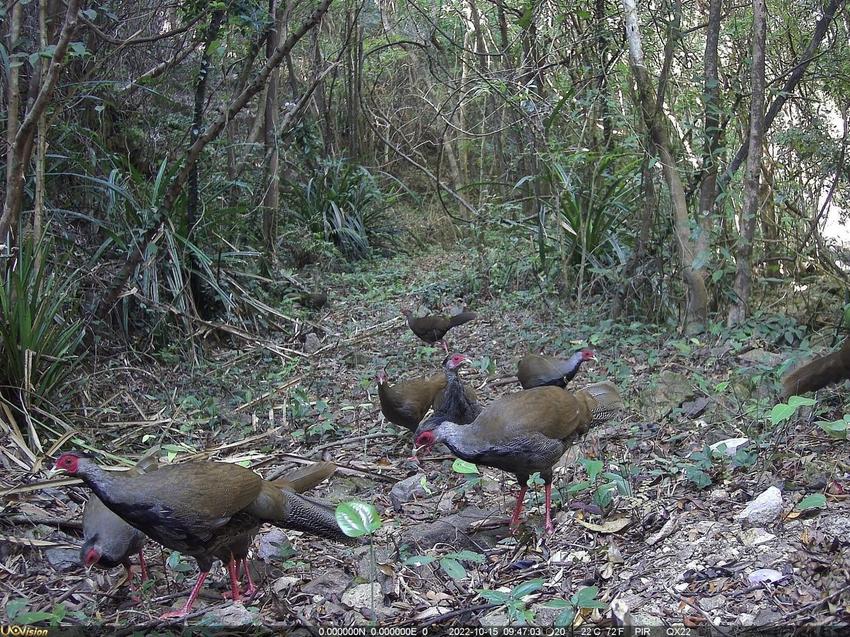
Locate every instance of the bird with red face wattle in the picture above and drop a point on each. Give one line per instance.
(432, 328)
(203, 509)
(535, 370)
(525, 432)
(107, 539)
(455, 402)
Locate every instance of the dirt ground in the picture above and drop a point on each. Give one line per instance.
(668, 547)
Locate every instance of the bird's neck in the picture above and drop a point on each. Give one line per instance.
(458, 438)
(571, 364)
(103, 483)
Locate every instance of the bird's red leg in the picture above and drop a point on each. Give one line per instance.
(233, 571)
(518, 508)
(550, 528)
(252, 589)
(129, 569)
(173, 614)
(143, 566)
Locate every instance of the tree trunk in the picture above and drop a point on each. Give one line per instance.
(744, 247)
(193, 196)
(271, 199)
(692, 259)
(711, 104)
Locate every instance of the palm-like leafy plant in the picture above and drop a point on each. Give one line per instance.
(37, 344)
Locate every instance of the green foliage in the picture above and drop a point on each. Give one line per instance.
(38, 345)
(342, 203)
(450, 563)
(783, 411)
(836, 428)
(357, 519)
(17, 612)
(584, 598)
(813, 501)
(464, 467)
(513, 602)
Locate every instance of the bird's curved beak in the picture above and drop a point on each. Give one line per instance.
(54, 471)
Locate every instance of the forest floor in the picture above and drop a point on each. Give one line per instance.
(656, 532)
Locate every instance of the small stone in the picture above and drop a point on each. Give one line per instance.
(495, 619)
(407, 490)
(767, 617)
(360, 596)
(330, 584)
(231, 615)
(645, 619)
(746, 619)
(311, 343)
(764, 509)
(718, 495)
(284, 583)
(713, 603)
(272, 544)
(755, 536)
(63, 559)
(764, 575)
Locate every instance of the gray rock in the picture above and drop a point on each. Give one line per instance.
(755, 536)
(407, 490)
(764, 509)
(63, 559)
(669, 391)
(713, 603)
(495, 619)
(231, 615)
(331, 584)
(767, 617)
(452, 529)
(272, 544)
(360, 598)
(761, 357)
(311, 343)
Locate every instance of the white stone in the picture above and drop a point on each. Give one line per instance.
(755, 536)
(764, 509)
(361, 595)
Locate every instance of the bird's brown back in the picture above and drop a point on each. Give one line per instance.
(819, 373)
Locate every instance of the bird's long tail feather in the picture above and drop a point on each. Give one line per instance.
(463, 317)
(305, 478)
(603, 399)
(312, 516)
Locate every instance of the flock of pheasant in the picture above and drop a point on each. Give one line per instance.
(213, 510)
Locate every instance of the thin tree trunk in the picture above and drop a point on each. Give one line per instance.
(602, 83)
(744, 247)
(692, 260)
(711, 104)
(193, 195)
(271, 199)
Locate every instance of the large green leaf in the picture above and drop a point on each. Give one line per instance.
(357, 519)
(453, 568)
(526, 588)
(462, 466)
(813, 501)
